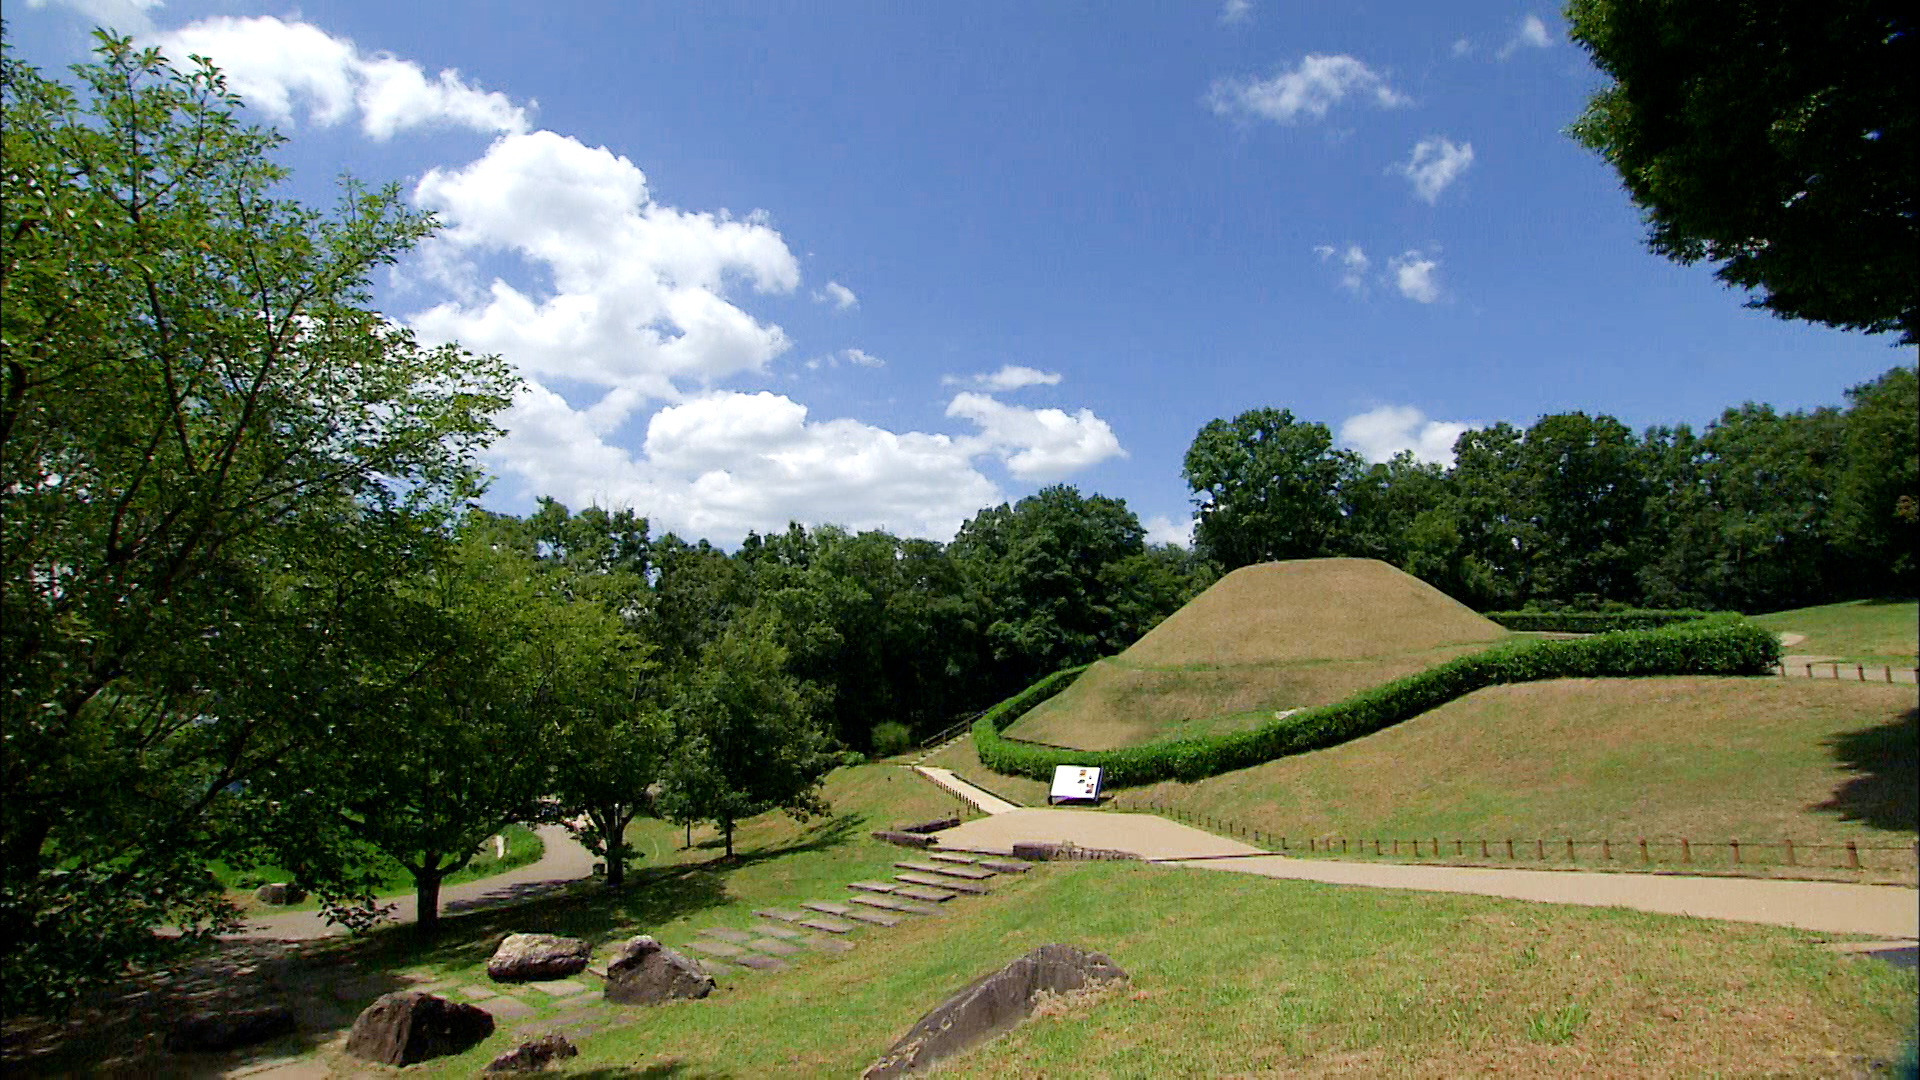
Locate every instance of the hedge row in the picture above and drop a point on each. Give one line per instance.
(1593, 622)
(1721, 645)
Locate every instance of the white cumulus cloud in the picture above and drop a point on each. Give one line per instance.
(1416, 276)
(1435, 163)
(640, 292)
(1308, 90)
(1162, 529)
(855, 357)
(1236, 11)
(281, 68)
(1037, 444)
(1379, 434)
(838, 295)
(1530, 34)
(1353, 263)
(1009, 377)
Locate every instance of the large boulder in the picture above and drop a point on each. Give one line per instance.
(993, 1004)
(279, 893)
(533, 1055)
(407, 1026)
(534, 957)
(648, 973)
(214, 1032)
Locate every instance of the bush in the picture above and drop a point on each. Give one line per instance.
(1593, 622)
(890, 738)
(1721, 645)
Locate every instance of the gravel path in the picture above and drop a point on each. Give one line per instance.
(565, 861)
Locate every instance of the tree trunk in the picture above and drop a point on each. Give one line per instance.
(615, 842)
(727, 828)
(426, 886)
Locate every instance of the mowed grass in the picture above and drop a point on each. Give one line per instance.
(1884, 632)
(1234, 974)
(1263, 639)
(1710, 759)
(961, 759)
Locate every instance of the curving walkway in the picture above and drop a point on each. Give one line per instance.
(983, 800)
(1884, 911)
(564, 862)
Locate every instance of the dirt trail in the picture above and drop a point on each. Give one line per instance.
(565, 861)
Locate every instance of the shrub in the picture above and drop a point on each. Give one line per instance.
(1593, 622)
(1720, 645)
(890, 738)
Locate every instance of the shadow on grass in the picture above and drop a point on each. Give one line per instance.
(1884, 760)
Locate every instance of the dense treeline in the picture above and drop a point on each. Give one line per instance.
(1759, 512)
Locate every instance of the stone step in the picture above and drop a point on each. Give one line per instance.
(785, 933)
(738, 937)
(967, 872)
(827, 924)
(924, 892)
(716, 948)
(782, 914)
(942, 884)
(872, 886)
(774, 947)
(877, 918)
(950, 857)
(826, 906)
(895, 904)
(1006, 866)
(757, 962)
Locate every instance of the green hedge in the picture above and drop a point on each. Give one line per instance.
(1721, 645)
(1593, 622)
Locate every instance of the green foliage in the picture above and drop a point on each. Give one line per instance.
(1724, 645)
(890, 738)
(213, 459)
(1876, 500)
(1591, 622)
(1267, 487)
(1773, 139)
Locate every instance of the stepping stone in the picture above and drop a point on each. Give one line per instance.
(775, 947)
(877, 918)
(891, 904)
(479, 993)
(827, 924)
(1004, 866)
(717, 948)
(738, 937)
(826, 906)
(508, 1008)
(785, 933)
(948, 857)
(967, 872)
(922, 892)
(560, 987)
(782, 915)
(824, 944)
(872, 886)
(946, 884)
(760, 963)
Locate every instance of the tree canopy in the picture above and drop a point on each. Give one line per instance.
(1778, 140)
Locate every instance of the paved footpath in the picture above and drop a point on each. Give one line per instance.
(1886, 911)
(983, 800)
(564, 862)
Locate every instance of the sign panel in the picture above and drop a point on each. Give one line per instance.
(1074, 783)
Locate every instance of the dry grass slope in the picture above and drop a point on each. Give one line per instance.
(1263, 638)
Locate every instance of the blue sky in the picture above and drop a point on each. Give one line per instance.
(883, 264)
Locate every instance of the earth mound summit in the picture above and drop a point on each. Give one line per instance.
(1310, 609)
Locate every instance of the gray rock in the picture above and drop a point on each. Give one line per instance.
(406, 1027)
(279, 892)
(647, 973)
(533, 1055)
(931, 826)
(538, 957)
(904, 839)
(214, 1032)
(991, 1005)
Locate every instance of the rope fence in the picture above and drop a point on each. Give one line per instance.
(1834, 669)
(1637, 851)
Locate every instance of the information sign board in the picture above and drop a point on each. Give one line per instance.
(1074, 783)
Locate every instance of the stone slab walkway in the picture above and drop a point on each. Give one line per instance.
(984, 801)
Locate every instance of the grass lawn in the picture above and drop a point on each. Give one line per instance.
(963, 761)
(1710, 759)
(523, 847)
(1231, 974)
(1883, 632)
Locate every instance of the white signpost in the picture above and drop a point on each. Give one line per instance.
(1074, 783)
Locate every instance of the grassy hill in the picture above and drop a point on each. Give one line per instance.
(1885, 632)
(1706, 758)
(1264, 638)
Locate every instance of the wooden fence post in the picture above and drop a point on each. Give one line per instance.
(1853, 856)
(1509, 849)
(1644, 859)
(1686, 851)
(1483, 849)
(1540, 849)
(1736, 851)
(1790, 860)
(1569, 849)
(1376, 845)
(1606, 849)
(1459, 848)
